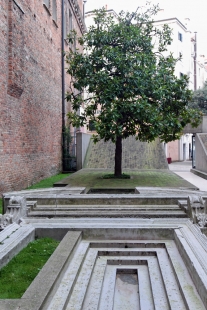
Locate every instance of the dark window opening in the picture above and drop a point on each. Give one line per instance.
(91, 125)
(180, 37)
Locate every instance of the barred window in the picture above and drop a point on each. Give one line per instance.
(70, 21)
(54, 10)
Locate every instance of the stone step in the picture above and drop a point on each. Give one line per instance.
(108, 213)
(105, 207)
(184, 278)
(183, 204)
(70, 276)
(104, 199)
(159, 280)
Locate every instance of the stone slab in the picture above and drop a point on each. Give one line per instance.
(13, 239)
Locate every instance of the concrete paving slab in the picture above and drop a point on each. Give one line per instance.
(183, 170)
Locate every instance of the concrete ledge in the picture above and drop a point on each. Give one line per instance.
(36, 295)
(196, 263)
(103, 234)
(199, 173)
(13, 239)
(51, 272)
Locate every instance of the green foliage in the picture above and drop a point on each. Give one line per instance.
(123, 69)
(17, 275)
(199, 100)
(48, 182)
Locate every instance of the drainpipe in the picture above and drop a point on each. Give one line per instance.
(63, 84)
(195, 57)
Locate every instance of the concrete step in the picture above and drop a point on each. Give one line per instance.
(70, 276)
(108, 213)
(105, 207)
(105, 199)
(183, 204)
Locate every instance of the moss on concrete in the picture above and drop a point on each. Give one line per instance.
(145, 178)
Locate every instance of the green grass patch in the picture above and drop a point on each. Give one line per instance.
(93, 178)
(1, 208)
(18, 274)
(48, 182)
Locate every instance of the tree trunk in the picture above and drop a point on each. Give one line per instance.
(118, 157)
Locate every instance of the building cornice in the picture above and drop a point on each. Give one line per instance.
(171, 19)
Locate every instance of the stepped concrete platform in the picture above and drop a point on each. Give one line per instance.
(117, 251)
(120, 264)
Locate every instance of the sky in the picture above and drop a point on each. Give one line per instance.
(196, 10)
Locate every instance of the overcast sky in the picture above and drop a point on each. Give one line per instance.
(196, 10)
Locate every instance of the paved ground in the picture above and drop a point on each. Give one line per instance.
(183, 170)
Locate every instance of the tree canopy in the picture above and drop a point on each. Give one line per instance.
(199, 99)
(124, 69)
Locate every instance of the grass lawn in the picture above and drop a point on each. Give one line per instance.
(48, 182)
(17, 275)
(93, 178)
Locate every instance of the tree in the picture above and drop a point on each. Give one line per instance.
(199, 100)
(123, 69)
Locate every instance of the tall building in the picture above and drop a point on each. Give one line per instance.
(184, 44)
(31, 86)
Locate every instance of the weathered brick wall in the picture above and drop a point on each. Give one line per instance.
(30, 93)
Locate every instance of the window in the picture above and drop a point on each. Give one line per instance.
(70, 20)
(181, 74)
(180, 37)
(47, 3)
(68, 23)
(65, 26)
(54, 10)
(91, 125)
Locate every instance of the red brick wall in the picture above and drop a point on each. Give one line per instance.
(30, 93)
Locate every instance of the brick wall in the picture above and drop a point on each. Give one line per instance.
(30, 92)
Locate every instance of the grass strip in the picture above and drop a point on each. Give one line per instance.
(18, 274)
(48, 182)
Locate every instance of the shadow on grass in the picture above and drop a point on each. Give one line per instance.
(48, 182)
